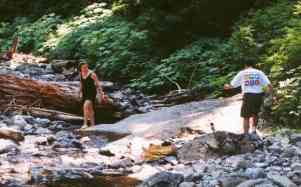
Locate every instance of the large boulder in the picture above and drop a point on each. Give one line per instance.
(218, 144)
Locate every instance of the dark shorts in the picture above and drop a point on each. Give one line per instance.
(251, 104)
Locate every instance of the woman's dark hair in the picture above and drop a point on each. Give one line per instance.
(81, 63)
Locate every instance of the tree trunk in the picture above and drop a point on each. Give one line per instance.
(61, 96)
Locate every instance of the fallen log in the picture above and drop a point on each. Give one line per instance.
(7, 133)
(50, 95)
(45, 113)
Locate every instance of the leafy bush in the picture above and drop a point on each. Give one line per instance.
(32, 34)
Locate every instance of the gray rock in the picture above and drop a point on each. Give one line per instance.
(296, 166)
(41, 131)
(123, 163)
(294, 138)
(281, 180)
(187, 184)
(237, 162)
(19, 122)
(165, 179)
(255, 173)
(295, 176)
(171, 159)
(251, 183)
(7, 146)
(42, 122)
(231, 181)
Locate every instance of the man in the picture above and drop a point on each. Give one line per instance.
(253, 83)
(89, 85)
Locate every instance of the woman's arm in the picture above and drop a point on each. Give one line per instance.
(98, 84)
(80, 88)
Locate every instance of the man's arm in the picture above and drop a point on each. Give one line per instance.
(267, 83)
(236, 82)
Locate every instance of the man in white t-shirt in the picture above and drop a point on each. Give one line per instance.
(253, 83)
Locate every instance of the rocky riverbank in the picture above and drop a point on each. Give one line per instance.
(54, 153)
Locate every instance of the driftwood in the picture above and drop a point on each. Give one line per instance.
(7, 133)
(51, 95)
(45, 113)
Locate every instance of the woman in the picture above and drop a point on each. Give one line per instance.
(89, 85)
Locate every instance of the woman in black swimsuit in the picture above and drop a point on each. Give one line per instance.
(89, 85)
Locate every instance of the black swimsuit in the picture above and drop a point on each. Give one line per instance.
(88, 89)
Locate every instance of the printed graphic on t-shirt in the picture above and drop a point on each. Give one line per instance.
(251, 79)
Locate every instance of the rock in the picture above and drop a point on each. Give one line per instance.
(231, 181)
(216, 145)
(12, 134)
(19, 121)
(122, 163)
(252, 183)
(275, 148)
(66, 139)
(237, 162)
(296, 166)
(186, 171)
(41, 131)
(295, 176)
(255, 173)
(295, 138)
(42, 122)
(281, 180)
(165, 179)
(187, 184)
(7, 146)
(171, 159)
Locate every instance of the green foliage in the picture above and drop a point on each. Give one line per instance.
(32, 34)
(158, 46)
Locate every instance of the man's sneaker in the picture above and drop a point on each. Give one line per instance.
(84, 126)
(254, 136)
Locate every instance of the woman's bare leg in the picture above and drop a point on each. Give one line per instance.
(90, 112)
(86, 113)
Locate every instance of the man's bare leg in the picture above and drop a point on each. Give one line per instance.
(246, 125)
(254, 123)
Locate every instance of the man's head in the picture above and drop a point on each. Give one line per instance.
(249, 63)
(83, 67)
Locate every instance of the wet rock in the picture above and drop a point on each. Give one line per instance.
(66, 139)
(166, 179)
(238, 162)
(252, 183)
(295, 138)
(216, 145)
(295, 176)
(186, 171)
(296, 166)
(187, 184)
(7, 146)
(123, 163)
(19, 122)
(255, 173)
(41, 131)
(42, 122)
(231, 181)
(171, 159)
(281, 180)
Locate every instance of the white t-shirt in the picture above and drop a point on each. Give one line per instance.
(251, 81)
